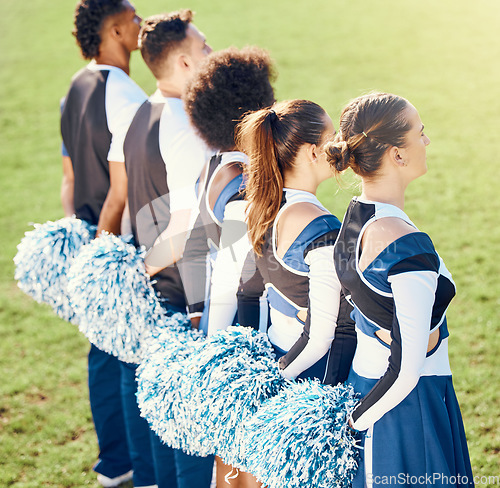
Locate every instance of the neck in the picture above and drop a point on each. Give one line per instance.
(118, 58)
(169, 88)
(384, 191)
(298, 182)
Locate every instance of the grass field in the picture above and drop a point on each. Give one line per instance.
(441, 55)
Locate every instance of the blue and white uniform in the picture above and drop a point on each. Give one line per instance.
(409, 412)
(97, 111)
(163, 157)
(303, 281)
(218, 244)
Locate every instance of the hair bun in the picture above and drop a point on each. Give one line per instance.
(339, 155)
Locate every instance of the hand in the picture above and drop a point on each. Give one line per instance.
(152, 270)
(195, 323)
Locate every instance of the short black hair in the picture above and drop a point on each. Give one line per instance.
(88, 19)
(228, 84)
(161, 34)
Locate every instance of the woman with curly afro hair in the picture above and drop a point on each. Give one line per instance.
(228, 84)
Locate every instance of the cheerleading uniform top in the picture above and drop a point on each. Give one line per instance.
(303, 280)
(406, 291)
(218, 243)
(152, 151)
(98, 109)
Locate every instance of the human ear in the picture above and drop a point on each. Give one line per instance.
(397, 156)
(312, 152)
(184, 62)
(115, 31)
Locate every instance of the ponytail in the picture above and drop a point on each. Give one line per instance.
(264, 185)
(272, 138)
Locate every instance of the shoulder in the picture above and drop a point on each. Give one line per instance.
(383, 232)
(298, 216)
(400, 245)
(300, 219)
(122, 88)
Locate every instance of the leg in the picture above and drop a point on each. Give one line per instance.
(137, 428)
(164, 461)
(229, 477)
(107, 413)
(249, 480)
(193, 471)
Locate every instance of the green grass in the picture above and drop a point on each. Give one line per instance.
(441, 55)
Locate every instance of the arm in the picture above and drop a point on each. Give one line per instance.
(169, 246)
(251, 311)
(184, 155)
(324, 301)
(68, 179)
(193, 269)
(67, 186)
(414, 294)
(112, 211)
(234, 248)
(123, 99)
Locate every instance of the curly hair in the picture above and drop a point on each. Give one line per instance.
(161, 34)
(88, 20)
(227, 85)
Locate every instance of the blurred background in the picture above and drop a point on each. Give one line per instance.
(442, 56)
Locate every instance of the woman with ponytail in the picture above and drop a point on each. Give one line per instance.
(292, 235)
(400, 289)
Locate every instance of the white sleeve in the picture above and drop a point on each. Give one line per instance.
(185, 155)
(414, 295)
(324, 302)
(228, 267)
(122, 100)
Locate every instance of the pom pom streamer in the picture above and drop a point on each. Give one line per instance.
(160, 379)
(301, 437)
(43, 259)
(115, 303)
(229, 376)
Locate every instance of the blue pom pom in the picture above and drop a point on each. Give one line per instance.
(111, 293)
(229, 376)
(301, 437)
(160, 380)
(43, 259)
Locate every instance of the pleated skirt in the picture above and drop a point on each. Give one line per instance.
(420, 442)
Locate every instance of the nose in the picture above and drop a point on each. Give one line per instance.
(209, 48)
(427, 140)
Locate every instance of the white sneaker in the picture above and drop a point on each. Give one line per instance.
(114, 482)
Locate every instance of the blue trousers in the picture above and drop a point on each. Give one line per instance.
(154, 462)
(107, 413)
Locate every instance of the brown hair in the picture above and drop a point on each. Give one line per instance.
(272, 138)
(161, 34)
(369, 125)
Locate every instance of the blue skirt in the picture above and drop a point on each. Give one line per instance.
(420, 442)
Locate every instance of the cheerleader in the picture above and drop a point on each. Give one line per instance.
(400, 288)
(292, 235)
(228, 84)
(98, 109)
